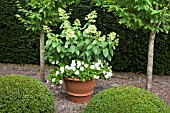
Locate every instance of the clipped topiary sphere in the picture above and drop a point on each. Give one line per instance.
(24, 94)
(126, 100)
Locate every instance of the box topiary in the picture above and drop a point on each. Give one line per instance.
(24, 94)
(126, 100)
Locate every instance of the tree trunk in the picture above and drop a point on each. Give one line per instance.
(42, 62)
(150, 60)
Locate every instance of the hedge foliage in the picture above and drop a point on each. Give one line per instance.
(16, 44)
(126, 100)
(24, 94)
(21, 46)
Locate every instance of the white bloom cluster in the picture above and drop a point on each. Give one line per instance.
(77, 22)
(66, 24)
(102, 39)
(91, 16)
(112, 36)
(78, 67)
(91, 29)
(62, 13)
(70, 33)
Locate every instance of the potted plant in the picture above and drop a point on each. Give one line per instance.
(80, 54)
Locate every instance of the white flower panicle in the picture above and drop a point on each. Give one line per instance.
(102, 39)
(91, 29)
(70, 33)
(91, 17)
(112, 36)
(77, 22)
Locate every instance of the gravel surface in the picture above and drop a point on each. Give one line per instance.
(161, 85)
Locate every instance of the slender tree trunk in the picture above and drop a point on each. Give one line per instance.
(150, 60)
(42, 61)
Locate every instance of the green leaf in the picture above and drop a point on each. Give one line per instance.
(87, 41)
(90, 46)
(103, 45)
(62, 55)
(48, 43)
(72, 49)
(59, 48)
(95, 50)
(109, 58)
(55, 44)
(94, 42)
(88, 52)
(80, 44)
(77, 52)
(105, 52)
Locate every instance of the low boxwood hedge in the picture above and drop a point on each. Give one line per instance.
(126, 100)
(24, 94)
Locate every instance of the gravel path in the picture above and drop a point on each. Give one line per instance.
(161, 85)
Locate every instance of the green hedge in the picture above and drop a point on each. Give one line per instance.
(126, 100)
(24, 94)
(21, 46)
(17, 45)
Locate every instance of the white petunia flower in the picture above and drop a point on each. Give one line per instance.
(110, 74)
(81, 68)
(82, 63)
(53, 62)
(57, 72)
(78, 63)
(67, 67)
(99, 62)
(53, 80)
(98, 68)
(104, 72)
(61, 82)
(96, 65)
(86, 65)
(96, 77)
(106, 76)
(62, 69)
(47, 81)
(73, 68)
(92, 67)
(76, 72)
(73, 61)
(57, 62)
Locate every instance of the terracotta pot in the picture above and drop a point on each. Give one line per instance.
(78, 91)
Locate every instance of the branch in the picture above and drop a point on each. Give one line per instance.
(166, 7)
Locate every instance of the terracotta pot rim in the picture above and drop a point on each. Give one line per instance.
(73, 79)
(76, 79)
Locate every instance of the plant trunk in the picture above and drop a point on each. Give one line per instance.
(42, 62)
(150, 60)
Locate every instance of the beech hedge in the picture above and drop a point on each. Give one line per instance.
(21, 46)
